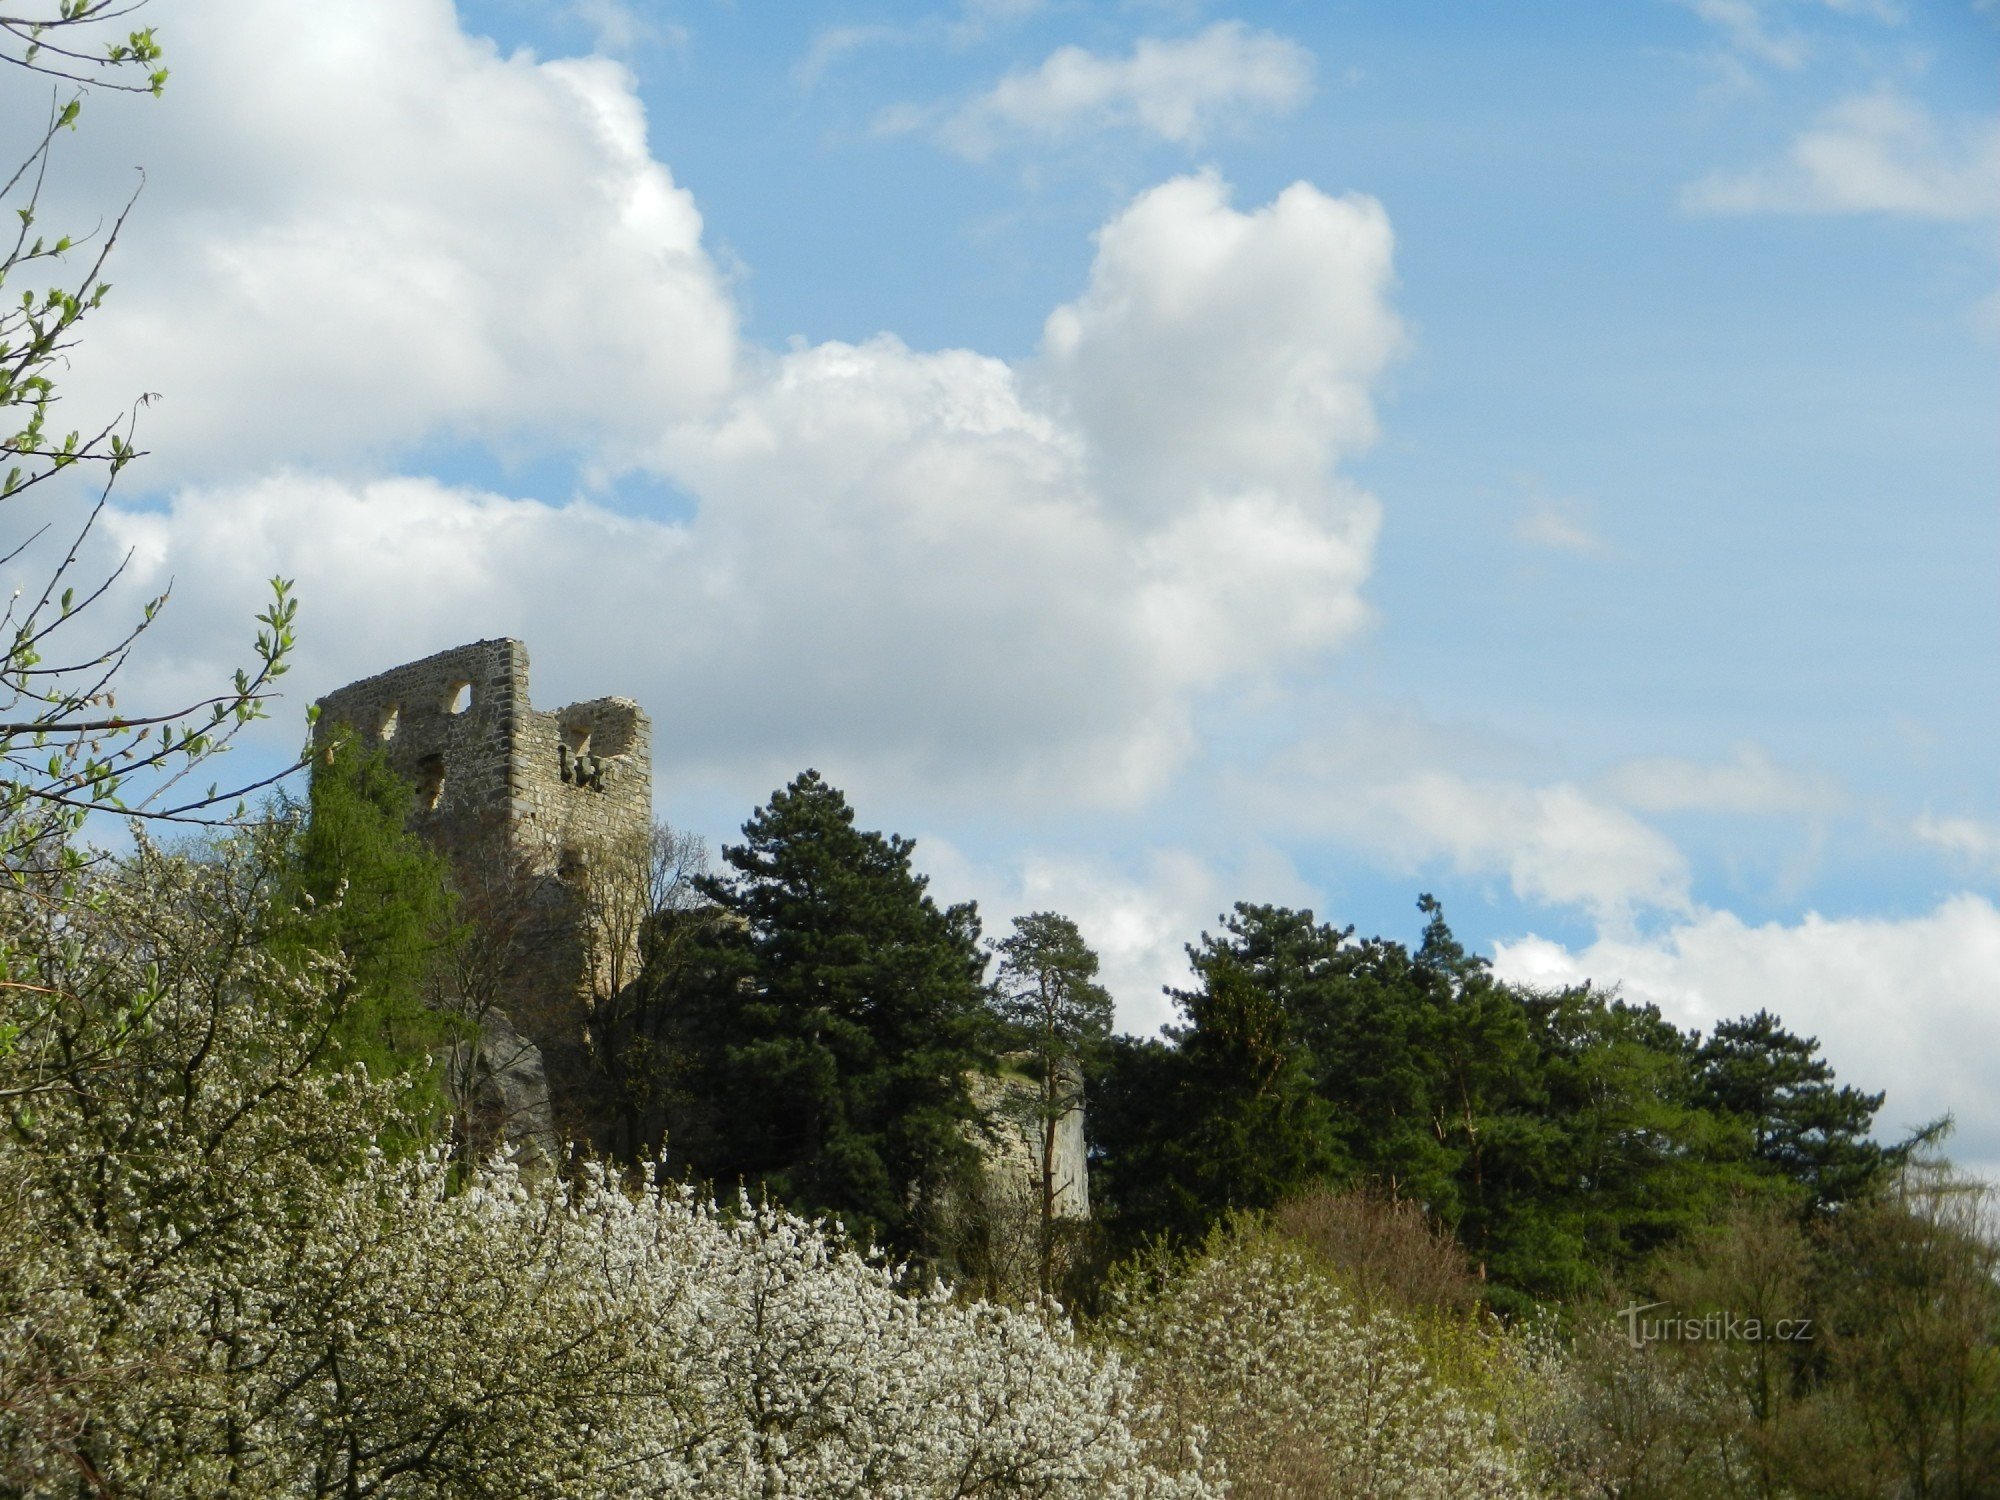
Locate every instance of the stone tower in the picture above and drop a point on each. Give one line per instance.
(532, 806)
(488, 764)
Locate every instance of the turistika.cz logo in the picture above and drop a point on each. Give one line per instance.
(1709, 1328)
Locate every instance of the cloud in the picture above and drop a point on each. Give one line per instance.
(618, 30)
(978, 19)
(1181, 91)
(1139, 916)
(363, 229)
(987, 651)
(1968, 839)
(1556, 526)
(1555, 843)
(1904, 1005)
(834, 43)
(1754, 31)
(1221, 353)
(1874, 153)
(1747, 27)
(373, 237)
(933, 568)
(1748, 783)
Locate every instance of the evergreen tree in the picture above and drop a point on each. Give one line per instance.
(1136, 1113)
(1253, 1129)
(1611, 1157)
(1367, 1020)
(834, 1013)
(1412, 1054)
(1048, 995)
(1800, 1124)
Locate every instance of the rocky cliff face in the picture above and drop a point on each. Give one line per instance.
(506, 1088)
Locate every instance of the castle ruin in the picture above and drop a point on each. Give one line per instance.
(527, 803)
(486, 762)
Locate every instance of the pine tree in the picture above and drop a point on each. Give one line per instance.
(836, 1014)
(1802, 1125)
(1047, 992)
(1254, 1131)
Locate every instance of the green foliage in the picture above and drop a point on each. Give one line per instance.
(649, 902)
(1258, 1130)
(1255, 1352)
(1610, 1158)
(1047, 990)
(833, 1013)
(1054, 1011)
(1801, 1126)
(1562, 1136)
(1852, 1354)
(364, 889)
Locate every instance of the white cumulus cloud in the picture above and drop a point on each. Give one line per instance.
(363, 229)
(936, 565)
(1138, 916)
(1222, 353)
(369, 236)
(1176, 90)
(1554, 842)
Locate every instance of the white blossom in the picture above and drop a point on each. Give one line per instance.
(215, 1280)
(1254, 1356)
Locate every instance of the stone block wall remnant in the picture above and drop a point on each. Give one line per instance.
(539, 794)
(485, 761)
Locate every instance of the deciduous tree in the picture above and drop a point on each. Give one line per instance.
(68, 746)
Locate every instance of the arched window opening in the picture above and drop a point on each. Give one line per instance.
(430, 782)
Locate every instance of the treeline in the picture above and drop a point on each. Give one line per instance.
(1561, 1136)
(1455, 1152)
(819, 1014)
(807, 1023)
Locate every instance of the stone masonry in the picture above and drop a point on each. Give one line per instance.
(523, 800)
(486, 762)
(1012, 1101)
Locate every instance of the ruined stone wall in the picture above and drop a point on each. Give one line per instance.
(486, 763)
(530, 805)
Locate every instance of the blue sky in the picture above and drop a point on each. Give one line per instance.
(1155, 454)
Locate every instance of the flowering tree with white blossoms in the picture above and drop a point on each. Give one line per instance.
(1253, 1353)
(212, 1280)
